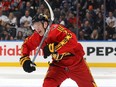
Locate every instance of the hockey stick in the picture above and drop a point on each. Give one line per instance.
(47, 30)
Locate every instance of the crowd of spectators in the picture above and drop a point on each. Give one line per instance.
(83, 17)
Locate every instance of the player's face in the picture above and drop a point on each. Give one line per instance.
(39, 27)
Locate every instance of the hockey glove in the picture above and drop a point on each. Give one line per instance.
(27, 64)
(49, 49)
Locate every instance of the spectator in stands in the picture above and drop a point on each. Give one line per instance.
(38, 11)
(71, 18)
(26, 18)
(19, 36)
(72, 21)
(28, 7)
(6, 36)
(62, 19)
(106, 35)
(12, 19)
(65, 6)
(20, 28)
(114, 37)
(111, 24)
(99, 24)
(57, 13)
(3, 18)
(87, 29)
(81, 35)
(6, 5)
(42, 8)
(10, 28)
(94, 35)
(92, 13)
(89, 18)
(93, 3)
(35, 4)
(15, 5)
(25, 29)
(102, 8)
(111, 20)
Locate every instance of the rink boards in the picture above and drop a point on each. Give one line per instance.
(97, 54)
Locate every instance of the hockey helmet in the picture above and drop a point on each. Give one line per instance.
(40, 17)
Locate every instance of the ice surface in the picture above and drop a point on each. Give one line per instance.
(16, 77)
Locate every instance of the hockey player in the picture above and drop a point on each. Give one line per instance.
(67, 54)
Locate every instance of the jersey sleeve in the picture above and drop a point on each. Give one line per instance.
(30, 44)
(67, 41)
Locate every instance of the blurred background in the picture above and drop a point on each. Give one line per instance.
(88, 19)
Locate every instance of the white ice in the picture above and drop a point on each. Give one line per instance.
(16, 77)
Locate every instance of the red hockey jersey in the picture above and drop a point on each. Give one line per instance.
(67, 42)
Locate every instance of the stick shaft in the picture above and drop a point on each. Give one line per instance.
(44, 37)
(47, 31)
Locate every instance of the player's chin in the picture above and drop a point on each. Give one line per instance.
(41, 33)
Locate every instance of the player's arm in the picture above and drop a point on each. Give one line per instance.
(66, 43)
(29, 44)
